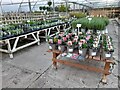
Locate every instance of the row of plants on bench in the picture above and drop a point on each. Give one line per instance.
(77, 14)
(26, 26)
(70, 41)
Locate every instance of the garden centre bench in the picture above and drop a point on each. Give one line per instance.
(105, 71)
(35, 38)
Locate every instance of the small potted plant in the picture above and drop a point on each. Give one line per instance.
(75, 41)
(61, 44)
(52, 43)
(70, 47)
(82, 47)
(107, 48)
(93, 47)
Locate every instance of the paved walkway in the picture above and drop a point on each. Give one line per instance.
(32, 68)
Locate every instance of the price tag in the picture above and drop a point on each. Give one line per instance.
(103, 32)
(107, 55)
(106, 31)
(70, 50)
(50, 47)
(80, 52)
(78, 25)
(93, 53)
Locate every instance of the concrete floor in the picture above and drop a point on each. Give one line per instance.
(32, 68)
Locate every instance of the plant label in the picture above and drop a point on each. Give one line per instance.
(107, 55)
(93, 54)
(50, 47)
(78, 25)
(59, 47)
(80, 51)
(70, 50)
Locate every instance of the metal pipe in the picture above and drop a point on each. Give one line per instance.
(29, 3)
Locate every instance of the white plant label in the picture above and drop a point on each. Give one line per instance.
(107, 55)
(106, 31)
(50, 47)
(70, 50)
(78, 25)
(93, 53)
(59, 47)
(103, 32)
(80, 52)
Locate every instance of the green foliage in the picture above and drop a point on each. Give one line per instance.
(62, 8)
(91, 40)
(55, 40)
(96, 23)
(49, 3)
(106, 20)
(40, 8)
(77, 14)
(48, 9)
(56, 8)
(84, 45)
(44, 7)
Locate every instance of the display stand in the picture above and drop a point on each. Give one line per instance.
(104, 71)
(36, 39)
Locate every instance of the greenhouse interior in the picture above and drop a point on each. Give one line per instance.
(59, 44)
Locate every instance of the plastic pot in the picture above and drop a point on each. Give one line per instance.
(83, 51)
(70, 49)
(92, 52)
(107, 54)
(61, 48)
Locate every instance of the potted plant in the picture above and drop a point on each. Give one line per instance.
(93, 46)
(44, 8)
(61, 44)
(49, 3)
(82, 47)
(107, 47)
(52, 42)
(40, 7)
(70, 47)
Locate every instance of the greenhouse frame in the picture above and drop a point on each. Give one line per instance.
(59, 44)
